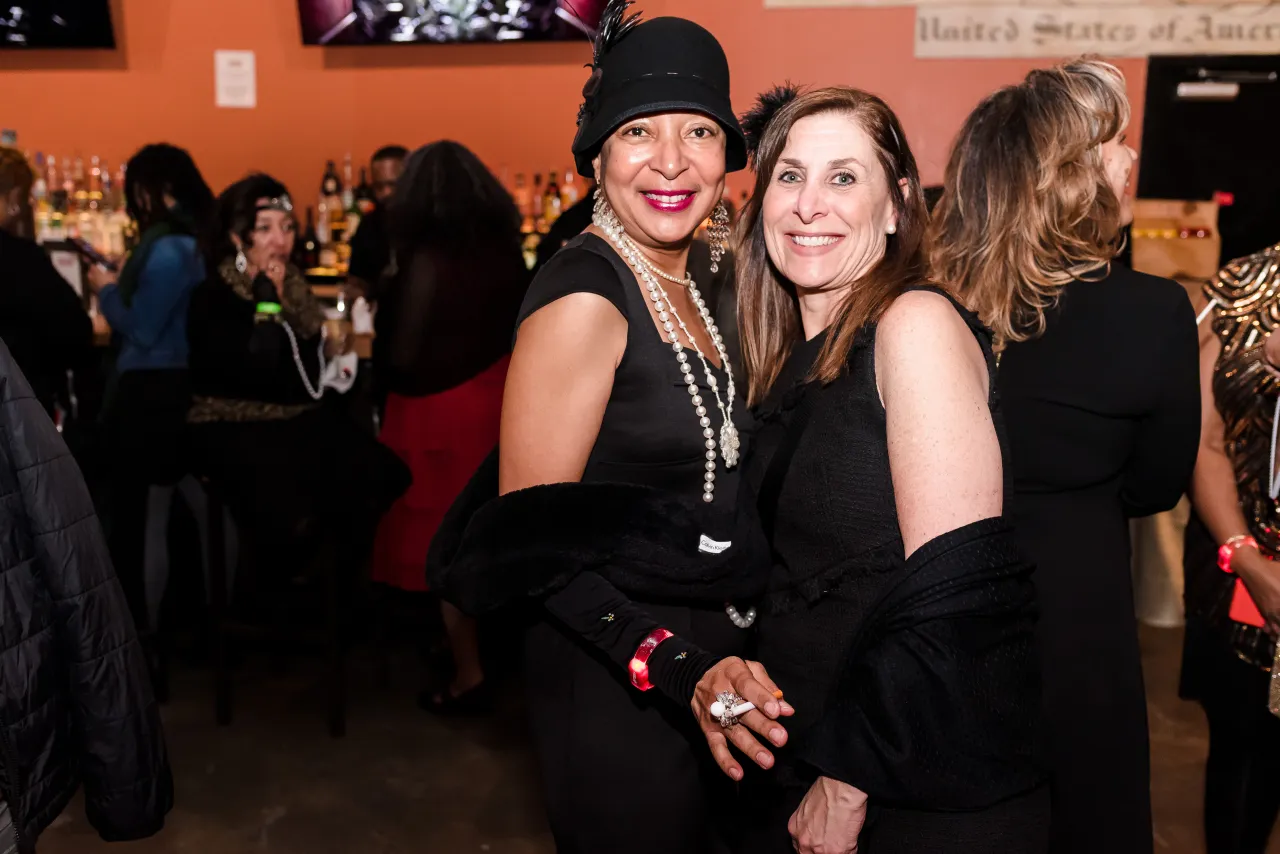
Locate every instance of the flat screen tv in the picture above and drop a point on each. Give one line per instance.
(375, 22)
(56, 24)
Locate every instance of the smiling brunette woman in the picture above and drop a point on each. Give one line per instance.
(620, 506)
(898, 617)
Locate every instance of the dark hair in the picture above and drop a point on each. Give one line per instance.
(160, 169)
(236, 213)
(390, 152)
(446, 198)
(768, 315)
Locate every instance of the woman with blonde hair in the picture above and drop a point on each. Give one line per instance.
(1098, 379)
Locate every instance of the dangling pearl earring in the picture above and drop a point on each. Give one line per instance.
(242, 263)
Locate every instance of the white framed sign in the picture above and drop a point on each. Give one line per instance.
(982, 31)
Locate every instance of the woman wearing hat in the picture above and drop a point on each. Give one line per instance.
(618, 467)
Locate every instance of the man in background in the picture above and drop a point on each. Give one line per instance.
(370, 247)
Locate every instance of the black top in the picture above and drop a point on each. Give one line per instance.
(650, 436)
(1104, 420)
(650, 433)
(447, 316)
(838, 549)
(371, 251)
(41, 318)
(237, 357)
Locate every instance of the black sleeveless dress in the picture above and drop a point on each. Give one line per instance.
(838, 549)
(625, 771)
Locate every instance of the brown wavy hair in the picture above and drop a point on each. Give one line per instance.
(1026, 205)
(15, 173)
(768, 311)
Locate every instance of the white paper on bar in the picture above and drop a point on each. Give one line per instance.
(235, 79)
(972, 32)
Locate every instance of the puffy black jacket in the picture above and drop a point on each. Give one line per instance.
(76, 705)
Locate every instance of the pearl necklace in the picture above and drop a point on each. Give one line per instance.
(607, 221)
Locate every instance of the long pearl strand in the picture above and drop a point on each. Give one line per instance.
(605, 219)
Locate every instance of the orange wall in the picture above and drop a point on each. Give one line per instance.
(514, 104)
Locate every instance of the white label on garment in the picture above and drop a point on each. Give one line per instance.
(710, 546)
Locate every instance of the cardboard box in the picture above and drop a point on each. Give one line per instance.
(1176, 239)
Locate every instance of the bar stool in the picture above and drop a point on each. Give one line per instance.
(156, 563)
(221, 626)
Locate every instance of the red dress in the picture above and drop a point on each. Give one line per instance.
(443, 438)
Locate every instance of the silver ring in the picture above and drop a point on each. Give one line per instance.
(730, 700)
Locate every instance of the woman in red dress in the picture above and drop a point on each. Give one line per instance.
(446, 313)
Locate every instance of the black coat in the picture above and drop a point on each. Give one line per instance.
(76, 705)
(41, 318)
(1103, 413)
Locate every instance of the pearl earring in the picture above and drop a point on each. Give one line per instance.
(893, 229)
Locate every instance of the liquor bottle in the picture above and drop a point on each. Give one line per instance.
(108, 189)
(95, 183)
(524, 203)
(330, 184)
(80, 186)
(310, 243)
(551, 199)
(537, 205)
(365, 200)
(570, 192)
(323, 234)
(40, 189)
(348, 185)
(352, 213)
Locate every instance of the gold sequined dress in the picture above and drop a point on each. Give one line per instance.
(1244, 309)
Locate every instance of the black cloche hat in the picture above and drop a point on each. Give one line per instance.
(658, 66)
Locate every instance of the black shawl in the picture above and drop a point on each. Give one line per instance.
(938, 704)
(651, 544)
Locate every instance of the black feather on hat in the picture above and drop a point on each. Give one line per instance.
(767, 105)
(614, 24)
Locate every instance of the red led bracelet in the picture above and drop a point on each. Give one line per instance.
(1228, 550)
(639, 666)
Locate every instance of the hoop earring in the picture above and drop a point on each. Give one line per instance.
(242, 263)
(718, 234)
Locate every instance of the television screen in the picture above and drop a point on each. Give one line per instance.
(371, 22)
(56, 23)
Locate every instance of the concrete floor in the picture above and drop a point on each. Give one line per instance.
(402, 781)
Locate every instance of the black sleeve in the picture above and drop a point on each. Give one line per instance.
(64, 324)
(604, 617)
(230, 348)
(370, 254)
(116, 722)
(574, 270)
(52, 331)
(1169, 435)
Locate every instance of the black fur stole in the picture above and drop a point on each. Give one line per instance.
(493, 551)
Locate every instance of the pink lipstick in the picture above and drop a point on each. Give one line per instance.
(669, 201)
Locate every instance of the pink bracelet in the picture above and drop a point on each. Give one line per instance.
(1228, 550)
(640, 661)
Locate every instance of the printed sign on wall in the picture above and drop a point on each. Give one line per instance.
(1060, 28)
(1019, 31)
